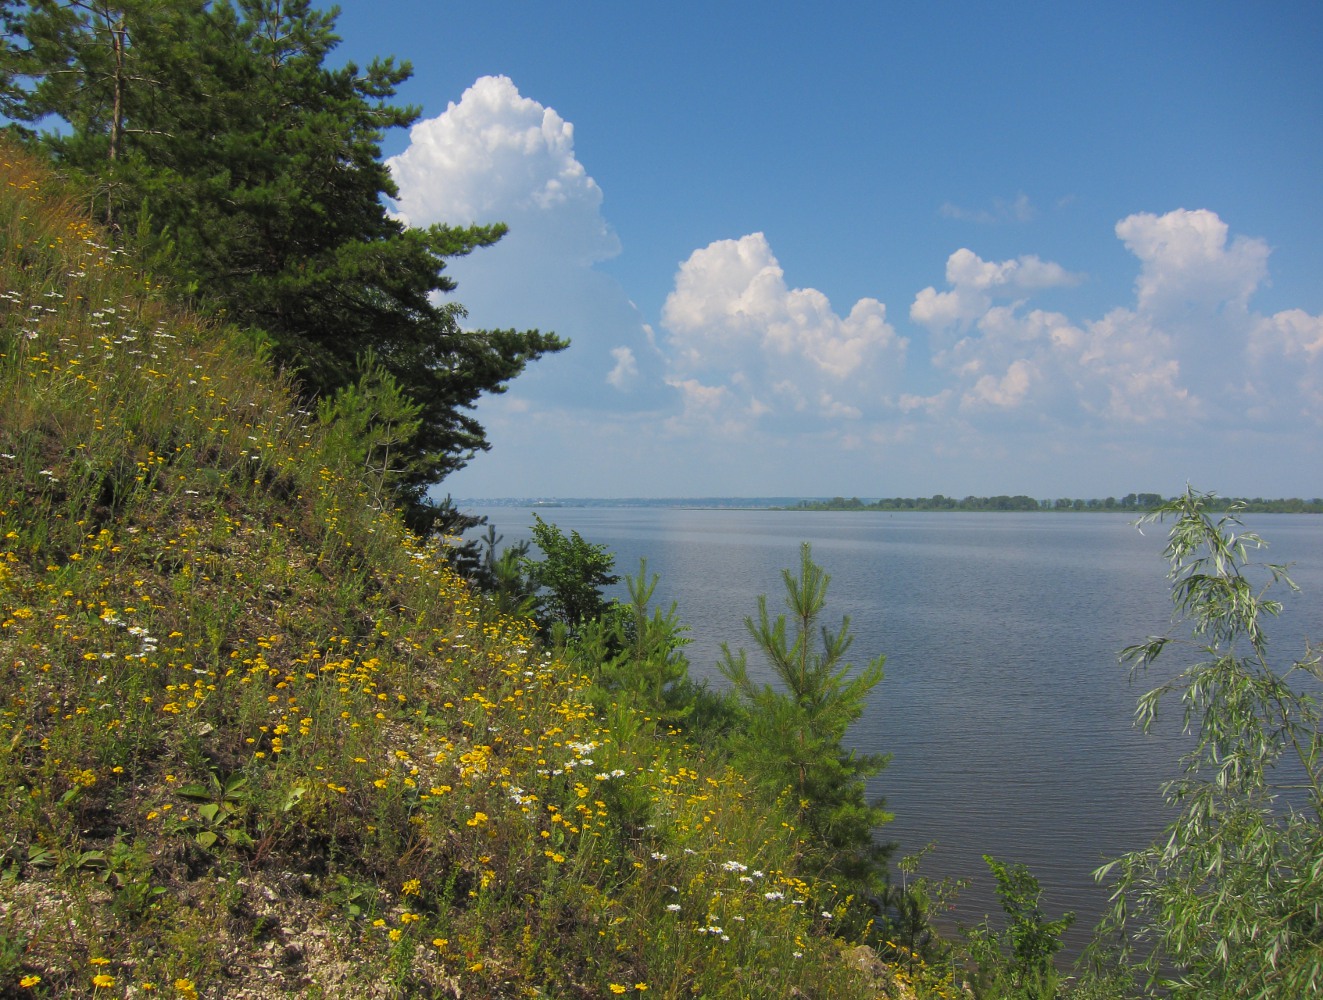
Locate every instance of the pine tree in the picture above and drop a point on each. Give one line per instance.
(793, 739)
(218, 142)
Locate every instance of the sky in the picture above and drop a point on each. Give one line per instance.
(879, 249)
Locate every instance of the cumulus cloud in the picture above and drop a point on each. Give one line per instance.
(975, 283)
(497, 156)
(734, 322)
(1293, 334)
(1286, 352)
(1189, 348)
(742, 352)
(1187, 262)
(1007, 391)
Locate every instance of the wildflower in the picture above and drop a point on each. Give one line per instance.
(617, 988)
(103, 981)
(673, 907)
(28, 981)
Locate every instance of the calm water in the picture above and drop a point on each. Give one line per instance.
(1007, 715)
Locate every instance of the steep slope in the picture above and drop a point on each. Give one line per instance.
(256, 739)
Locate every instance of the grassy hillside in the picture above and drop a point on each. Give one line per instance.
(256, 739)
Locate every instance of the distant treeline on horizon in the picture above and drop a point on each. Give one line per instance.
(1133, 502)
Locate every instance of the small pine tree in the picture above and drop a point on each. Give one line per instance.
(633, 651)
(792, 738)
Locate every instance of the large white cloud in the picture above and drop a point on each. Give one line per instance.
(734, 324)
(1189, 348)
(1187, 263)
(497, 156)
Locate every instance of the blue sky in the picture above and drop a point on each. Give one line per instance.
(880, 249)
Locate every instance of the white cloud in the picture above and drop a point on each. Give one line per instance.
(1002, 393)
(746, 365)
(1186, 261)
(626, 369)
(975, 283)
(1286, 353)
(1118, 369)
(1188, 349)
(1293, 334)
(710, 409)
(733, 320)
(499, 156)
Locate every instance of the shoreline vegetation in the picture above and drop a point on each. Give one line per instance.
(1131, 503)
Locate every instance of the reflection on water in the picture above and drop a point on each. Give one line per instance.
(1007, 715)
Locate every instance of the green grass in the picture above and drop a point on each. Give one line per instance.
(257, 739)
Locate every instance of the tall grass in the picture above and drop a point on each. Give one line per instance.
(257, 739)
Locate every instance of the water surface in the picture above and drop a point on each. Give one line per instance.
(1004, 707)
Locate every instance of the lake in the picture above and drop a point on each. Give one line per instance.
(1004, 707)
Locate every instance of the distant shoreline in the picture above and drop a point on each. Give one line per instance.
(1130, 504)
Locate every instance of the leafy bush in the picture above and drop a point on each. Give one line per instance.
(571, 575)
(1018, 960)
(1229, 903)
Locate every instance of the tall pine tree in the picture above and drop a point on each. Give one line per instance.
(217, 140)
